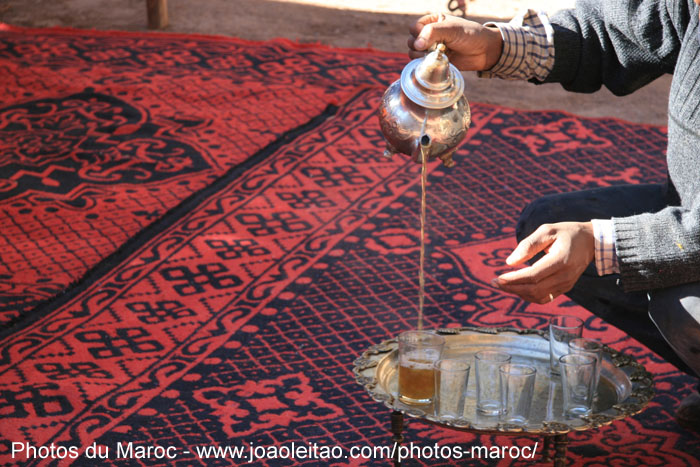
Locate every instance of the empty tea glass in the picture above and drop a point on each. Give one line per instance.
(517, 391)
(577, 376)
(590, 347)
(488, 381)
(451, 378)
(562, 329)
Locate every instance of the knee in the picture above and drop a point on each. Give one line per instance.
(540, 211)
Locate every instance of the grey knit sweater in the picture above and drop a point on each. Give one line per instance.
(624, 45)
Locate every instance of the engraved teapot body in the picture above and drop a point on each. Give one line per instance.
(429, 100)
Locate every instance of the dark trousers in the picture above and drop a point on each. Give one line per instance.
(602, 295)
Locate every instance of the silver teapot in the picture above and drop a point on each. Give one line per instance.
(425, 111)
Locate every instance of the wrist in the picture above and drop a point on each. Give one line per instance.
(494, 46)
(605, 255)
(587, 228)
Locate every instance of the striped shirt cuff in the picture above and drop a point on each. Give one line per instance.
(528, 48)
(605, 255)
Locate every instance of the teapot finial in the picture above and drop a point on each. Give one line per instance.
(434, 72)
(432, 81)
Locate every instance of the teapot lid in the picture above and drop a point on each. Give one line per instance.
(432, 81)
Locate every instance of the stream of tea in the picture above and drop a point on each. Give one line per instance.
(421, 262)
(416, 374)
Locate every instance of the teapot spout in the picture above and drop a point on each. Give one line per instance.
(424, 145)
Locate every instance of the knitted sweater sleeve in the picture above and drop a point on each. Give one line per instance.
(659, 250)
(621, 44)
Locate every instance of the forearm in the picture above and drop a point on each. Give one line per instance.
(658, 250)
(620, 44)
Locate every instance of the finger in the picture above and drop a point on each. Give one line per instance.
(434, 29)
(531, 245)
(540, 288)
(546, 266)
(425, 38)
(411, 46)
(543, 292)
(417, 27)
(538, 293)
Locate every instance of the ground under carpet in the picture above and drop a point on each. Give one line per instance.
(198, 236)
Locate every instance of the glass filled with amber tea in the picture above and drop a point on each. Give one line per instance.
(418, 352)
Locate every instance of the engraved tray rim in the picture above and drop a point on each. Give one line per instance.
(642, 390)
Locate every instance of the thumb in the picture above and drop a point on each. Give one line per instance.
(434, 31)
(529, 247)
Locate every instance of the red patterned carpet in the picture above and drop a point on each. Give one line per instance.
(198, 236)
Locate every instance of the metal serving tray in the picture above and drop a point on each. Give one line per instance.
(625, 386)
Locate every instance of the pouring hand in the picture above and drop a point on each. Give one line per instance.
(569, 248)
(470, 45)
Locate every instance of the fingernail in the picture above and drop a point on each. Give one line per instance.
(419, 43)
(509, 259)
(494, 283)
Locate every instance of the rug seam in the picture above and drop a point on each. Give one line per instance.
(128, 248)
